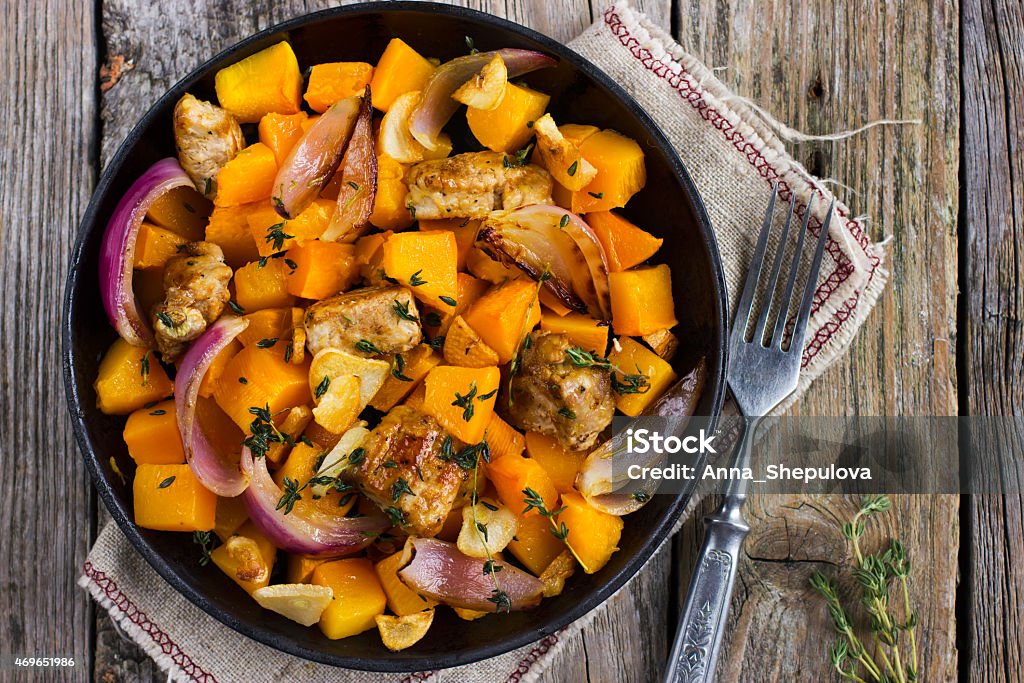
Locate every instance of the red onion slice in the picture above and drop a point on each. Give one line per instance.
(309, 532)
(358, 181)
(437, 105)
(314, 158)
(117, 254)
(214, 470)
(439, 571)
(544, 237)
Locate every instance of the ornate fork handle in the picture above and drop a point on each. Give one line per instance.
(695, 650)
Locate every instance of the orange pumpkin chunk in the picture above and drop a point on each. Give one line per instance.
(259, 378)
(634, 358)
(624, 244)
(322, 269)
(582, 330)
(129, 377)
(358, 597)
(462, 399)
(642, 300)
(426, 263)
(182, 210)
(152, 435)
(512, 474)
(262, 285)
(155, 245)
(170, 498)
(505, 315)
(417, 363)
(229, 229)
(503, 439)
(265, 82)
(272, 233)
(593, 535)
(506, 128)
(329, 83)
(389, 209)
(280, 132)
(621, 172)
(561, 464)
(249, 177)
(400, 70)
(402, 600)
(534, 545)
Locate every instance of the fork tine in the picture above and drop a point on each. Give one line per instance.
(773, 279)
(739, 325)
(787, 298)
(812, 280)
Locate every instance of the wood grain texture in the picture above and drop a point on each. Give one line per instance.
(823, 67)
(993, 332)
(45, 497)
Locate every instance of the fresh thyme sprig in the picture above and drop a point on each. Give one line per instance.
(263, 431)
(559, 530)
(293, 490)
(875, 574)
(499, 597)
(204, 539)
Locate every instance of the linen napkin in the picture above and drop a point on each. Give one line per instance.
(734, 158)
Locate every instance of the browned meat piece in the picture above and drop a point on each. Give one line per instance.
(364, 315)
(553, 395)
(403, 472)
(474, 184)
(195, 293)
(207, 137)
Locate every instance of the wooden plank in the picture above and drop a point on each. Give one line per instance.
(628, 640)
(48, 137)
(822, 67)
(993, 221)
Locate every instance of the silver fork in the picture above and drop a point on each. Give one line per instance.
(761, 374)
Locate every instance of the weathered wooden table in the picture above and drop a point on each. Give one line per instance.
(80, 72)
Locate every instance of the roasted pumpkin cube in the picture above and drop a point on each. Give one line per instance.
(414, 366)
(561, 464)
(322, 269)
(502, 438)
(400, 69)
(170, 498)
(264, 325)
(621, 172)
(504, 316)
(329, 83)
(265, 82)
(231, 515)
(402, 600)
(152, 435)
(300, 568)
(258, 378)
(462, 399)
(655, 376)
(155, 245)
(426, 262)
(129, 377)
(506, 128)
(624, 244)
(249, 177)
(216, 368)
(229, 229)
(301, 466)
(464, 230)
(358, 597)
(272, 233)
(262, 284)
(389, 208)
(280, 132)
(642, 300)
(534, 545)
(582, 330)
(181, 210)
(513, 474)
(593, 535)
